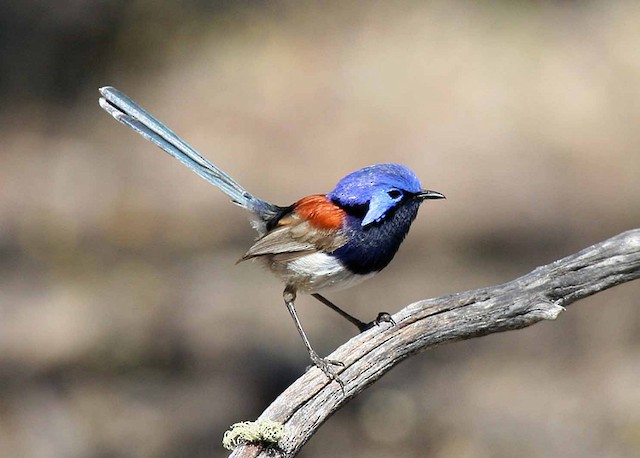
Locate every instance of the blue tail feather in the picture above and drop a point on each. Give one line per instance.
(125, 110)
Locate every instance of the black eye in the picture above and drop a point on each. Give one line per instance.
(395, 194)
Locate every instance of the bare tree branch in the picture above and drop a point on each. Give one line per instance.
(540, 295)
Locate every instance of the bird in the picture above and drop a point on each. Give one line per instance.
(321, 242)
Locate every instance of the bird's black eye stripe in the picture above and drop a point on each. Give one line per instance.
(356, 210)
(394, 194)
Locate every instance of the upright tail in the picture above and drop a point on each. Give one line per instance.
(125, 110)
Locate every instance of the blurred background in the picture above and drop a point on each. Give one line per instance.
(126, 329)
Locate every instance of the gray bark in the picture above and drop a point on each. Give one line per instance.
(539, 295)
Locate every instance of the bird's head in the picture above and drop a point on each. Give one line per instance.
(376, 191)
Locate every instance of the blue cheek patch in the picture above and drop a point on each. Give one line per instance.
(379, 204)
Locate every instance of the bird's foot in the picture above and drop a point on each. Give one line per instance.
(326, 366)
(383, 317)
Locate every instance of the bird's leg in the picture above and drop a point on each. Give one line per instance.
(383, 317)
(361, 325)
(323, 364)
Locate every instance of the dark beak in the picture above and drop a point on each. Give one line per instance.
(426, 194)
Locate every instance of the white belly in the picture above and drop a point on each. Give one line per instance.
(316, 272)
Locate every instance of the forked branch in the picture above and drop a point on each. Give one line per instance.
(539, 295)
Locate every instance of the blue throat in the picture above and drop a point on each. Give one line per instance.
(372, 247)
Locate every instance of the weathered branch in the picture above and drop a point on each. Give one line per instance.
(539, 295)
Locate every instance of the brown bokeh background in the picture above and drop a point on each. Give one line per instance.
(127, 330)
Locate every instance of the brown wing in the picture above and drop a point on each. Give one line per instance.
(295, 237)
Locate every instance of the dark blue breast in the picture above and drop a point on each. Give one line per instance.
(371, 248)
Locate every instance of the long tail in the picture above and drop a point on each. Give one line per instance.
(129, 113)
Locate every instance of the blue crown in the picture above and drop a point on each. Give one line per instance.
(376, 186)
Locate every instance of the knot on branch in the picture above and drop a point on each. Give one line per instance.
(535, 309)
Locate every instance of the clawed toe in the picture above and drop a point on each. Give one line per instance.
(325, 365)
(383, 317)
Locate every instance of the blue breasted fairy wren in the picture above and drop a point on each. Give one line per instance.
(321, 242)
